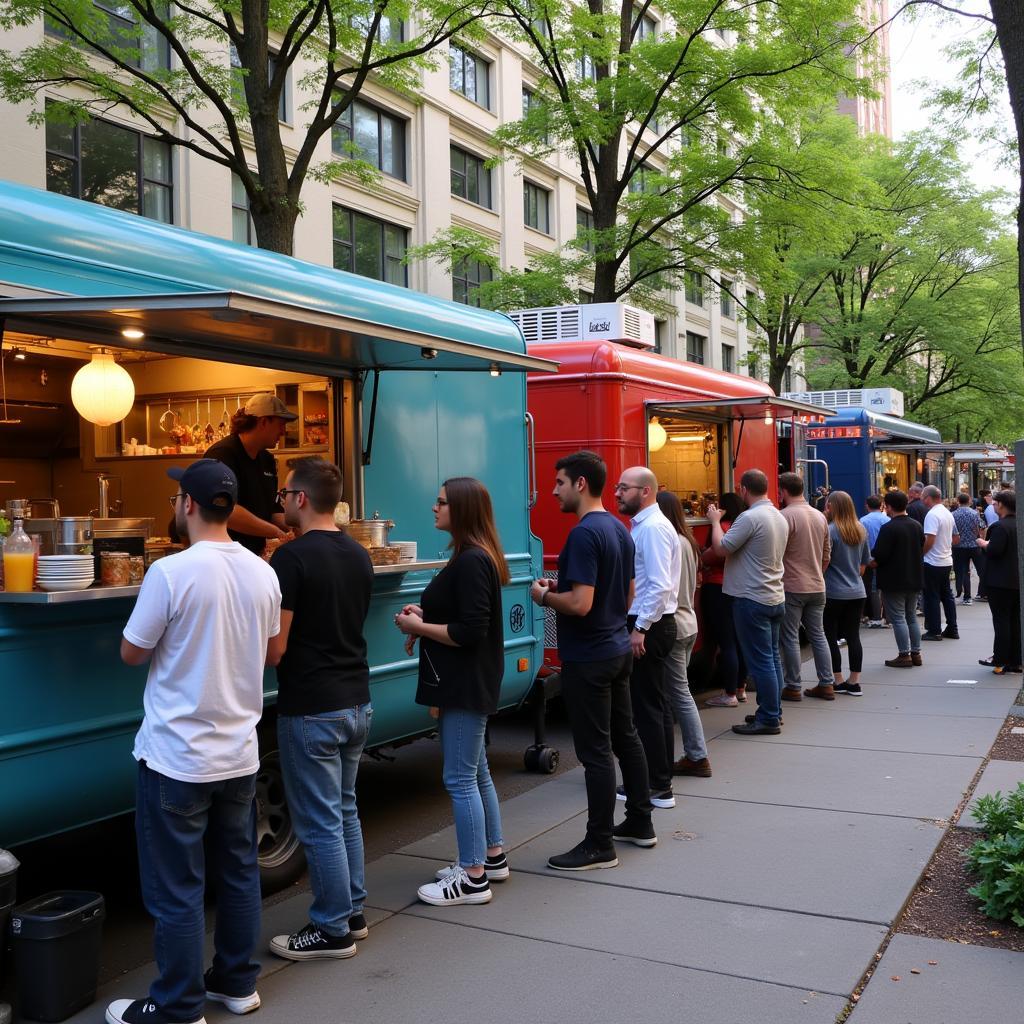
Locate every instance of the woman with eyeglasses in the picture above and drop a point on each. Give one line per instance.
(462, 659)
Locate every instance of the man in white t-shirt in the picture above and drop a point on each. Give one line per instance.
(204, 617)
(940, 536)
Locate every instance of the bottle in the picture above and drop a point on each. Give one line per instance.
(19, 561)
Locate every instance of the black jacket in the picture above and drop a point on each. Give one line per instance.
(466, 595)
(899, 551)
(1001, 554)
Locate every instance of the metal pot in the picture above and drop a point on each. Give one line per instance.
(371, 533)
(74, 532)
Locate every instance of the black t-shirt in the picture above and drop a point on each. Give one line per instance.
(598, 553)
(326, 579)
(899, 551)
(257, 485)
(917, 509)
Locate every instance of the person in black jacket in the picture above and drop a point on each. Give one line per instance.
(899, 575)
(462, 658)
(1002, 584)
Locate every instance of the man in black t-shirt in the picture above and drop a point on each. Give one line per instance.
(591, 600)
(323, 706)
(916, 508)
(258, 515)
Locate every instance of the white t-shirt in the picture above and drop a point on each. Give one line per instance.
(206, 614)
(939, 523)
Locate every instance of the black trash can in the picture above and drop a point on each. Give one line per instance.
(56, 941)
(8, 884)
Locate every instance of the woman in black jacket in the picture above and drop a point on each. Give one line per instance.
(1002, 585)
(462, 659)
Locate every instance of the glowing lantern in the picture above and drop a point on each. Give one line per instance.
(102, 391)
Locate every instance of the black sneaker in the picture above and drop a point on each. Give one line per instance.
(951, 634)
(639, 833)
(357, 926)
(663, 800)
(312, 944)
(853, 689)
(139, 1011)
(584, 857)
(931, 636)
(750, 719)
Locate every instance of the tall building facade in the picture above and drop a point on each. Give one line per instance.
(874, 115)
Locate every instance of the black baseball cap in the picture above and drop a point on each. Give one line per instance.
(209, 483)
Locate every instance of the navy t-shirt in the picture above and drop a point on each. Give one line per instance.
(598, 553)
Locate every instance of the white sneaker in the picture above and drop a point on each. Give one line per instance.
(495, 868)
(454, 889)
(236, 1004)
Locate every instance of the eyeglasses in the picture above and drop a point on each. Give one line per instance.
(618, 488)
(173, 499)
(285, 491)
(441, 503)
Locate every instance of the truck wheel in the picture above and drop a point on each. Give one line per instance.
(547, 760)
(282, 860)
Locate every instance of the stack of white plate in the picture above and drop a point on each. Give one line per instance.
(65, 572)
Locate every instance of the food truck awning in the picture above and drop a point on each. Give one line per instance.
(236, 327)
(739, 408)
(959, 453)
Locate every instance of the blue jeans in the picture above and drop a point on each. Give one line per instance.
(901, 611)
(758, 627)
(468, 781)
(173, 822)
(319, 759)
(684, 708)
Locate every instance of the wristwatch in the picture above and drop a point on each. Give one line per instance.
(640, 629)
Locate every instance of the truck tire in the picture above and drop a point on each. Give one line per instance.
(282, 860)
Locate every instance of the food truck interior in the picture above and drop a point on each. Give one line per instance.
(690, 461)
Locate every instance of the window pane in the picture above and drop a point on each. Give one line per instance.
(481, 94)
(485, 185)
(239, 197)
(469, 84)
(365, 133)
(60, 138)
(457, 74)
(342, 224)
(156, 160)
(472, 180)
(240, 225)
(60, 175)
(393, 146)
(156, 202)
(110, 166)
(369, 259)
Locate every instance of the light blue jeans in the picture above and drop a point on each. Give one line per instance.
(684, 707)
(807, 609)
(319, 760)
(468, 781)
(901, 611)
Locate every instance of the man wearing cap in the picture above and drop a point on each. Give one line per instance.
(204, 620)
(255, 428)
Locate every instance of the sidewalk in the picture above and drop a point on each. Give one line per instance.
(771, 889)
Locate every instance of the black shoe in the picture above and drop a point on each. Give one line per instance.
(584, 857)
(240, 1004)
(139, 1011)
(951, 634)
(639, 833)
(312, 944)
(749, 719)
(756, 729)
(357, 926)
(931, 636)
(854, 690)
(987, 662)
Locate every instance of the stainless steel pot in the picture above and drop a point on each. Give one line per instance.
(371, 533)
(74, 532)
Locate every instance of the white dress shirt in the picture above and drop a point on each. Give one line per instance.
(657, 567)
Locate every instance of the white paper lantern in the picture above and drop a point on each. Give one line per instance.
(656, 436)
(102, 391)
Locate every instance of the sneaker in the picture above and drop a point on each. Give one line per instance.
(312, 944)
(455, 889)
(698, 769)
(967, 600)
(931, 636)
(876, 624)
(584, 857)
(981, 597)
(139, 1011)
(756, 729)
(988, 662)
(822, 692)
(495, 868)
(903, 661)
(723, 700)
(741, 694)
(664, 800)
(236, 1004)
(915, 657)
(750, 719)
(792, 693)
(357, 926)
(639, 833)
(850, 689)
(951, 634)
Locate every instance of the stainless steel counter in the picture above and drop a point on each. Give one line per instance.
(400, 567)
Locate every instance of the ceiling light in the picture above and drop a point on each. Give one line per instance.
(495, 370)
(19, 354)
(656, 436)
(102, 392)
(688, 437)
(428, 353)
(133, 333)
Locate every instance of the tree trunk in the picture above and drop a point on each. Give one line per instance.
(275, 225)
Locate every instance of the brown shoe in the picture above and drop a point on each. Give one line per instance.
(791, 693)
(903, 661)
(821, 692)
(684, 766)
(915, 658)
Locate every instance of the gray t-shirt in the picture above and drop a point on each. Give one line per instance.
(755, 544)
(843, 580)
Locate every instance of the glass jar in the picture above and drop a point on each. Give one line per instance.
(115, 569)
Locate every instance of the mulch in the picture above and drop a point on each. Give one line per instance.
(1008, 747)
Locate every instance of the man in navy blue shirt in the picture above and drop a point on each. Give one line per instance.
(591, 600)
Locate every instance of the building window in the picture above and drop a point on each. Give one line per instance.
(694, 287)
(378, 136)
(531, 102)
(104, 163)
(369, 247)
(642, 180)
(659, 335)
(536, 201)
(467, 276)
(753, 369)
(242, 230)
(586, 297)
(390, 30)
(469, 75)
(471, 179)
(725, 298)
(584, 227)
(728, 359)
(695, 347)
(585, 68)
(150, 52)
(646, 28)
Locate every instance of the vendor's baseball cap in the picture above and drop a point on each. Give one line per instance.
(266, 403)
(208, 483)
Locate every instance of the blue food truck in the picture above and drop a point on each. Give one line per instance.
(400, 389)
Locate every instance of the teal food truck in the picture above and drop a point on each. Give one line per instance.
(400, 389)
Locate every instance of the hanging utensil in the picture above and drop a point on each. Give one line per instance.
(208, 432)
(169, 420)
(7, 421)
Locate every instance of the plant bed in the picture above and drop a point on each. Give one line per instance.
(1008, 747)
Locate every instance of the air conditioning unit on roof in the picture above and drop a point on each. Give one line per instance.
(598, 321)
(884, 400)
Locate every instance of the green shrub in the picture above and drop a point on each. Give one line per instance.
(998, 859)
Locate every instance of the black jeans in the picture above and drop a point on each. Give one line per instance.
(718, 630)
(596, 696)
(1004, 604)
(842, 619)
(938, 591)
(873, 601)
(962, 559)
(652, 710)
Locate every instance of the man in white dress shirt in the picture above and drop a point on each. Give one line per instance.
(651, 623)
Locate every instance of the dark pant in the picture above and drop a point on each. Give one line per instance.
(873, 601)
(185, 832)
(842, 619)
(596, 697)
(718, 630)
(1004, 604)
(962, 560)
(937, 591)
(652, 709)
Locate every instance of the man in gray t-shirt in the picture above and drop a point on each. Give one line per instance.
(753, 550)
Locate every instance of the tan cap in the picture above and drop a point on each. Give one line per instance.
(266, 403)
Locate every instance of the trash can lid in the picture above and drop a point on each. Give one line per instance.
(8, 863)
(56, 913)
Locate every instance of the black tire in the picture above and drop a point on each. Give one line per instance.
(547, 760)
(282, 860)
(531, 758)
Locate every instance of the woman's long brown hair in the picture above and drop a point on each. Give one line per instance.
(844, 515)
(472, 521)
(672, 507)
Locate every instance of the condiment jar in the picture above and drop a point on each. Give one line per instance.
(115, 569)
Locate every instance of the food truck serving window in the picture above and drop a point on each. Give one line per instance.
(690, 460)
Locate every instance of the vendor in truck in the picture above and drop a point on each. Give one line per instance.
(258, 426)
